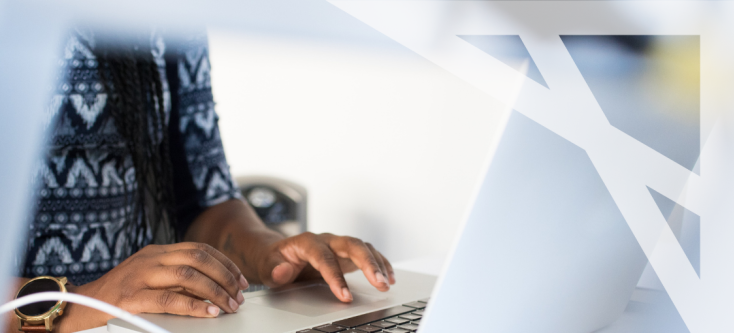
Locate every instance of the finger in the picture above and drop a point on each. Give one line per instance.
(290, 258)
(347, 265)
(231, 266)
(279, 271)
(183, 291)
(380, 262)
(193, 282)
(166, 301)
(390, 270)
(323, 259)
(313, 250)
(361, 255)
(205, 263)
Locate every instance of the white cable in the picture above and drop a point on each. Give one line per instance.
(86, 301)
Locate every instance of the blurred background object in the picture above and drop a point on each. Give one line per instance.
(281, 204)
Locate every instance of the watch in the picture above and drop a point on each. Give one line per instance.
(40, 316)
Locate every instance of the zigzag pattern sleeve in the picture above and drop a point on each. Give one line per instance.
(201, 173)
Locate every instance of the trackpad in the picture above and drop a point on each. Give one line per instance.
(312, 300)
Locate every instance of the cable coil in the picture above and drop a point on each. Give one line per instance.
(86, 301)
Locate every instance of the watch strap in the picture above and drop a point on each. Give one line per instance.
(33, 328)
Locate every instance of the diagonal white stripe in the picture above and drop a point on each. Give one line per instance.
(570, 110)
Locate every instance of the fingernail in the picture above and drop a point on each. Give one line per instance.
(233, 305)
(213, 310)
(346, 294)
(243, 282)
(240, 298)
(380, 278)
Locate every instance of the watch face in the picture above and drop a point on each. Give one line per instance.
(38, 286)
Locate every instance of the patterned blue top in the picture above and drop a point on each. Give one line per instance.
(79, 229)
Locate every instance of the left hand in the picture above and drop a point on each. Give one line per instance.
(309, 256)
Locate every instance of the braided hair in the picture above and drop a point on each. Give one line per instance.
(135, 97)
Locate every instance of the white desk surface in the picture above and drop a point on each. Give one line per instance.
(649, 311)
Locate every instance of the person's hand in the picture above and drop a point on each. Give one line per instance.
(309, 256)
(172, 279)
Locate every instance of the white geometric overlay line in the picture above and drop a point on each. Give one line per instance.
(569, 109)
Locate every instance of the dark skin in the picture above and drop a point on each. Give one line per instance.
(266, 257)
(225, 247)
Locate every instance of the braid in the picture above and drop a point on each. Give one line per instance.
(166, 178)
(135, 90)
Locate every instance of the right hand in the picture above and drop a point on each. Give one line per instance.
(171, 279)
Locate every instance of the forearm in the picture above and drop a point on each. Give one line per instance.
(234, 229)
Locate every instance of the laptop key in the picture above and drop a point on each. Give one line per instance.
(425, 300)
(395, 330)
(373, 316)
(308, 331)
(329, 328)
(419, 312)
(409, 327)
(410, 316)
(397, 320)
(383, 324)
(352, 331)
(417, 322)
(368, 328)
(417, 305)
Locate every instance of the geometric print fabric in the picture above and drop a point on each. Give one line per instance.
(86, 178)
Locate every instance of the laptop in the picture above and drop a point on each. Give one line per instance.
(543, 248)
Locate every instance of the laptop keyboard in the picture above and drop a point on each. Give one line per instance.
(397, 319)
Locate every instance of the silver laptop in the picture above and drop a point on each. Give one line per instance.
(543, 249)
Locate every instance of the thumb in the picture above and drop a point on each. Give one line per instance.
(278, 271)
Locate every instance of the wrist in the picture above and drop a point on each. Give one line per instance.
(249, 249)
(79, 317)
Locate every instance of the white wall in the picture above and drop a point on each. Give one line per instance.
(389, 145)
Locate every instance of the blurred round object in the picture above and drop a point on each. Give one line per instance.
(261, 197)
(280, 204)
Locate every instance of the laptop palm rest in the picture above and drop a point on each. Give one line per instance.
(270, 311)
(312, 300)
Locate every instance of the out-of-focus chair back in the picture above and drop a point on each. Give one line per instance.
(280, 203)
